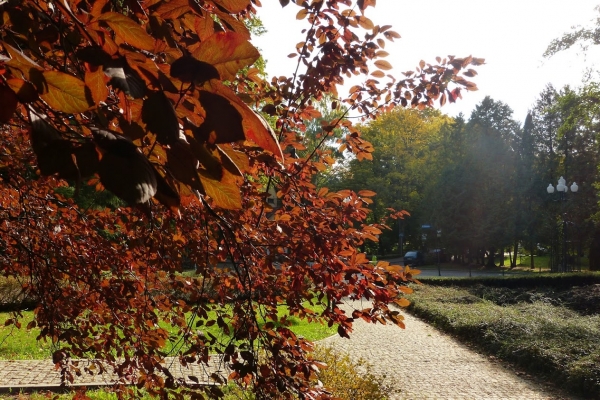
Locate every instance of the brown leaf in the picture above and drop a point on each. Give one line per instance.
(367, 193)
(159, 116)
(8, 104)
(208, 156)
(123, 169)
(165, 194)
(365, 22)
(239, 158)
(26, 92)
(383, 64)
(128, 30)
(234, 6)
(302, 14)
(183, 164)
(255, 128)
(228, 52)
(391, 35)
(189, 69)
(123, 77)
(223, 123)
(173, 9)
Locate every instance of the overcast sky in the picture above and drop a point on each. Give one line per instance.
(511, 35)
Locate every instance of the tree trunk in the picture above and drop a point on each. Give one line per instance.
(491, 257)
(594, 254)
(513, 262)
(532, 252)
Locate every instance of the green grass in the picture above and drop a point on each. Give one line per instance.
(21, 344)
(535, 330)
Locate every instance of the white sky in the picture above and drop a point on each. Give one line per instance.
(511, 35)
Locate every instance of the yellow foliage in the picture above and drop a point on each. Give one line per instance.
(350, 379)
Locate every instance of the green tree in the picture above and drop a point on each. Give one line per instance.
(407, 145)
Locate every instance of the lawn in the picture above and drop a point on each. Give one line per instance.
(21, 344)
(550, 331)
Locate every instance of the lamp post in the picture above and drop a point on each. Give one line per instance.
(439, 235)
(562, 189)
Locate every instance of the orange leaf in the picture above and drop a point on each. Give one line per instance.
(402, 302)
(302, 14)
(237, 157)
(20, 61)
(391, 35)
(367, 193)
(225, 193)
(64, 92)
(228, 52)
(378, 74)
(96, 82)
(128, 30)
(365, 22)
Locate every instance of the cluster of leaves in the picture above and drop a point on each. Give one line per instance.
(158, 103)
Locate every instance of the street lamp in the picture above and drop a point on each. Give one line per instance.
(439, 235)
(562, 189)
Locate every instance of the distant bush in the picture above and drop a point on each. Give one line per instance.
(555, 280)
(12, 297)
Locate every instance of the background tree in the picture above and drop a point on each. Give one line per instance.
(404, 160)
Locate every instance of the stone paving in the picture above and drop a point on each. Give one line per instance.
(423, 363)
(38, 374)
(419, 362)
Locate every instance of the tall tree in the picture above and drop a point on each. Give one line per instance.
(406, 144)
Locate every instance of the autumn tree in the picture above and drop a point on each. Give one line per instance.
(159, 103)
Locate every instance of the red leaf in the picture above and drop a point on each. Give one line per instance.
(173, 9)
(228, 52)
(96, 82)
(256, 129)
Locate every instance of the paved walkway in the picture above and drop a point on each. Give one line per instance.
(423, 363)
(41, 374)
(420, 363)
